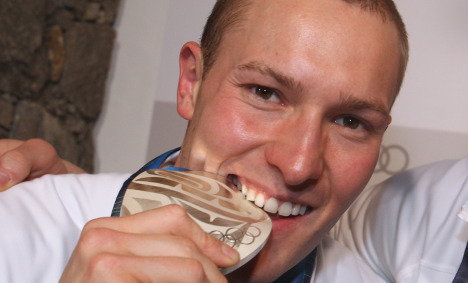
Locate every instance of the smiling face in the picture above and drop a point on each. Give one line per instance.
(294, 109)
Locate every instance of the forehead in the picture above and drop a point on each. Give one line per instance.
(328, 36)
(318, 25)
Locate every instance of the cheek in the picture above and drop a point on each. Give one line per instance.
(351, 172)
(226, 129)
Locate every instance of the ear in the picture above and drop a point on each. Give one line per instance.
(190, 78)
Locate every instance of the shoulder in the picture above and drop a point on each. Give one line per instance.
(42, 219)
(410, 220)
(78, 195)
(94, 192)
(442, 185)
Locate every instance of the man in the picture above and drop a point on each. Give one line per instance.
(289, 97)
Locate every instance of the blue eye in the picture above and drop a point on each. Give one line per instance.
(349, 122)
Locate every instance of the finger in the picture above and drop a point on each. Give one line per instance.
(108, 267)
(173, 220)
(9, 144)
(171, 269)
(181, 270)
(27, 160)
(42, 158)
(14, 166)
(96, 242)
(72, 168)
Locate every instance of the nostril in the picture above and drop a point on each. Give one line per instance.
(306, 185)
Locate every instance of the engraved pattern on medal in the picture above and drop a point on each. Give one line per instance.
(235, 237)
(223, 211)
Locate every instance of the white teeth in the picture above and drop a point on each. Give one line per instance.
(251, 195)
(285, 209)
(271, 206)
(302, 211)
(260, 200)
(295, 210)
(244, 190)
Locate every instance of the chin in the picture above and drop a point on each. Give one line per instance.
(250, 272)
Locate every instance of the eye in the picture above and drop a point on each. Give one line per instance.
(349, 122)
(266, 93)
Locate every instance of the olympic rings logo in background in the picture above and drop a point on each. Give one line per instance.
(392, 159)
(237, 236)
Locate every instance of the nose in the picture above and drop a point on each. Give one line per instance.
(298, 151)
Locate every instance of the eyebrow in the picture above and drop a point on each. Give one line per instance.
(284, 80)
(351, 101)
(346, 99)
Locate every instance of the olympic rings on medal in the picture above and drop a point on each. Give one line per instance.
(395, 152)
(236, 236)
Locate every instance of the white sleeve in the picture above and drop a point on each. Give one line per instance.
(406, 229)
(41, 221)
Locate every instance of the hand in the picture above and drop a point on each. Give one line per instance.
(26, 160)
(159, 245)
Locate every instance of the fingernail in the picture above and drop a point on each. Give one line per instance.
(4, 181)
(230, 252)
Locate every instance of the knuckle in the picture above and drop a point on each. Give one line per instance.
(14, 157)
(91, 224)
(48, 153)
(16, 164)
(189, 248)
(96, 237)
(177, 215)
(176, 211)
(42, 144)
(196, 270)
(95, 223)
(208, 242)
(102, 263)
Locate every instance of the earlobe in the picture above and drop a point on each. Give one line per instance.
(190, 77)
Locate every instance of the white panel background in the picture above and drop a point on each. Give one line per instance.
(139, 119)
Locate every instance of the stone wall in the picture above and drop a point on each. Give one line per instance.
(54, 60)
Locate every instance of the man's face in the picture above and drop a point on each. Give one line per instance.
(295, 107)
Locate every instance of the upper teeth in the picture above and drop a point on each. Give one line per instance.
(271, 205)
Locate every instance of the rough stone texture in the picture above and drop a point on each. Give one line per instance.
(54, 60)
(6, 115)
(89, 48)
(32, 120)
(21, 27)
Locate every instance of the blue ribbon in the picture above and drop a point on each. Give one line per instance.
(301, 272)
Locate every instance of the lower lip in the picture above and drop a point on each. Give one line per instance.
(282, 224)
